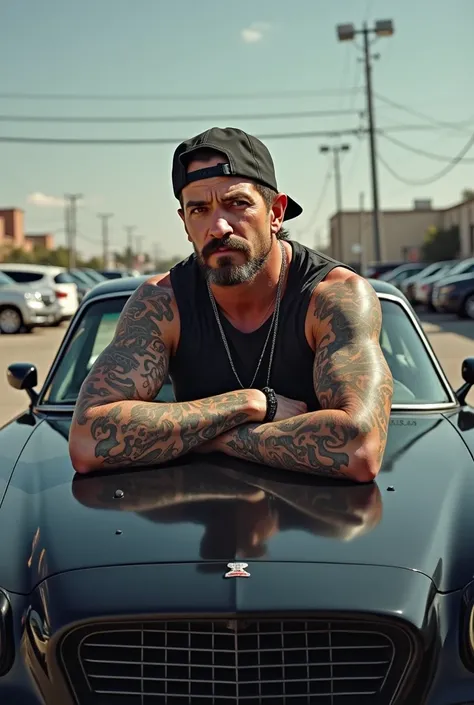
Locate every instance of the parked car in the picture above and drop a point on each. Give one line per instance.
(83, 282)
(375, 269)
(399, 274)
(212, 580)
(114, 273)
(24, 307)
(93, 274)
(428, 274)
(427, 293)
(55, 278)
(456, 295)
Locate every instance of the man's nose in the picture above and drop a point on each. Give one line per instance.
(220, 228)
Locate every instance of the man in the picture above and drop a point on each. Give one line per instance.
(273, 350)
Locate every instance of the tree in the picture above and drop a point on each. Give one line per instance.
(468, 194)
(441, 244)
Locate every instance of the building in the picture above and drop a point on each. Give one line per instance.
(13, 236)
(43, 240)
(12, 233)
(403, 232)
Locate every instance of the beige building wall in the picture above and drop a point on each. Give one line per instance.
(401, 232)
(462, 216)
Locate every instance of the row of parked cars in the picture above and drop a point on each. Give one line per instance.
(42, 295)
(445, 286)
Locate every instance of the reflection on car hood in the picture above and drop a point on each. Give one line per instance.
(417, 516)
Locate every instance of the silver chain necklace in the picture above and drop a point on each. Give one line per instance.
(273, 326)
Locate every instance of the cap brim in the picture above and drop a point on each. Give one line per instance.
(293, 209)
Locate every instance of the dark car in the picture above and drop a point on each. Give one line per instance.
(398, 275)
(375, 269)
(427, 275)
(425, 290)
(212, 580)
(455, 294)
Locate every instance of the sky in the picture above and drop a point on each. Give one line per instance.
(245, 64)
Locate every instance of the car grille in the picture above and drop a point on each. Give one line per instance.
(237, 661)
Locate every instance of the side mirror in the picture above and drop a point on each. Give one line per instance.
(24, 376)
(467, 372)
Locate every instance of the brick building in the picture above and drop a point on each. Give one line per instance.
(13, 236)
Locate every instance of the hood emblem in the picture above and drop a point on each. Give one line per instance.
(237, 570)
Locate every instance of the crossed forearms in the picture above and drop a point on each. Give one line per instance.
(142, 434)
(325, 443)
(126, 433)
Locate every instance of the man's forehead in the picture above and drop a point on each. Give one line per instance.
(222, 185)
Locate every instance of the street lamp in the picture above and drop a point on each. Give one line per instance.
(347, 32)
(336, 150)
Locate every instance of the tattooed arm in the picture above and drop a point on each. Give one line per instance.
(117, 424)
(346, 438)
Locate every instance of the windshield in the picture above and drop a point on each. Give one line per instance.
(463, 267)
(64, 278)
(415, 378)
(94, 275)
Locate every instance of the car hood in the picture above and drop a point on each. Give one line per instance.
(416, 516)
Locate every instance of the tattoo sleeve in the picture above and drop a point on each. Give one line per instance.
(116, 422)
(353, 384)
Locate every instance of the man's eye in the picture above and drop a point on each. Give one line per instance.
(239, 202)
(198, 209)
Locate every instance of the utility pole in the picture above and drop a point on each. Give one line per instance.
(67, 230)
(362, 260)
(336, 150)
(130, 230)
(105, 217)
(347, 32)
(373, 153)
(71, 225)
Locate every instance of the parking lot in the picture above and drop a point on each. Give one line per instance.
(451, 338)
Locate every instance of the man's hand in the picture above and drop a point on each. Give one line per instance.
(287, 409)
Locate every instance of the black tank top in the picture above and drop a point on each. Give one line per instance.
(200, 368)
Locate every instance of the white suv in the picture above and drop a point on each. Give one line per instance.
(56, 278)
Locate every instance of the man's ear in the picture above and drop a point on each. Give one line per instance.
(181, 215)
(277, 212)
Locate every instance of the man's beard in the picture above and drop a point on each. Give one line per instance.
(226, 273)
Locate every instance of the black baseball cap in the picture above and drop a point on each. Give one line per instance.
(246, 156)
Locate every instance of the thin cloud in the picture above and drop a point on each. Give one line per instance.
(255, 32)
(43, 201)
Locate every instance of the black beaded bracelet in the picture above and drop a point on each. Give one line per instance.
(272, 404)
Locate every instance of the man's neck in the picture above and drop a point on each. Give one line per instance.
(246, 305)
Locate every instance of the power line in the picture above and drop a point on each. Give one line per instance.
(423, 116)
(175, 118)
(8, 139)
(422, 152)
(436, 177)
(166, 140)
(308, 93)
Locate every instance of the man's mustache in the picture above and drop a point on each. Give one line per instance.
(230, 243)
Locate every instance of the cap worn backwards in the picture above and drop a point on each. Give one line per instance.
(246, 156)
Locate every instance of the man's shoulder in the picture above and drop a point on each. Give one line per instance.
(344, 288)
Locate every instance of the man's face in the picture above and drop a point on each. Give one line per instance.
(229, 225)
